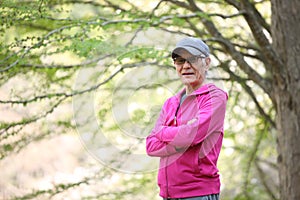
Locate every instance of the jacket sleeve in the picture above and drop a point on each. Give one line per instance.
(156, 147)
(210, 119)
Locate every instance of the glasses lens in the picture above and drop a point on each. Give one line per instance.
(192, 59)
(179, 61)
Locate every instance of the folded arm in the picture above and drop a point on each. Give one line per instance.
(167, 140)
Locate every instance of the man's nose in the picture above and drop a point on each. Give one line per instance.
(186, 64)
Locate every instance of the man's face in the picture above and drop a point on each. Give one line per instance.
(192, 71)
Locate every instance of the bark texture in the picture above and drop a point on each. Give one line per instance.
(285, 35)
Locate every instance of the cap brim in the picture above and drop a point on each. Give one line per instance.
(191, 50)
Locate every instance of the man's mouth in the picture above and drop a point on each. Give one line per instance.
(187, 74)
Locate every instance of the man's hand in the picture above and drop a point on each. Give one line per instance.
(191, 121)
(182, 149)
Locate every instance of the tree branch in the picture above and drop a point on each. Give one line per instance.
(41, 42)
(236, 55)
(74, 93)
(87, 62)
(253, 19)
(252, 156)
(56, 190)
(269, 163)
(179, 4)
(262, 177)
(5, 127)
(252, 95)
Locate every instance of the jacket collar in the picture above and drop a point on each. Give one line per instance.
(202, 90)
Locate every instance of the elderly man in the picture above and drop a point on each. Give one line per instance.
(189, 131)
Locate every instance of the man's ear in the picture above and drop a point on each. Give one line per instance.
(207, 63)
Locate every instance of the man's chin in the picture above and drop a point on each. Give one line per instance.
(187, 81)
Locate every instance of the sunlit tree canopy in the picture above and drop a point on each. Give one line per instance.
(82, 83)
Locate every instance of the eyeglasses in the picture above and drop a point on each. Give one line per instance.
(191, 60)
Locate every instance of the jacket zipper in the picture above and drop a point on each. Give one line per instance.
(175, 117)
(166, 171)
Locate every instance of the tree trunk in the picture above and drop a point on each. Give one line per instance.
(285, 35)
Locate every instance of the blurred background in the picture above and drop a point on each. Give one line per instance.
(82, 83)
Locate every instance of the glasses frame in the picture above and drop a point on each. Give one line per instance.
(191, 60)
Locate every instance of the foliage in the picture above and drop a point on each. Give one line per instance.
(56, 53)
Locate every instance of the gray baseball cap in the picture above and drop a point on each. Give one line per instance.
(193, 45)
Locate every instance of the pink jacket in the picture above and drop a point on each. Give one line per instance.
(188, 140)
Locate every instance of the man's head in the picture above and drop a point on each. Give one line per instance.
(193, 45)
(191, 59)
